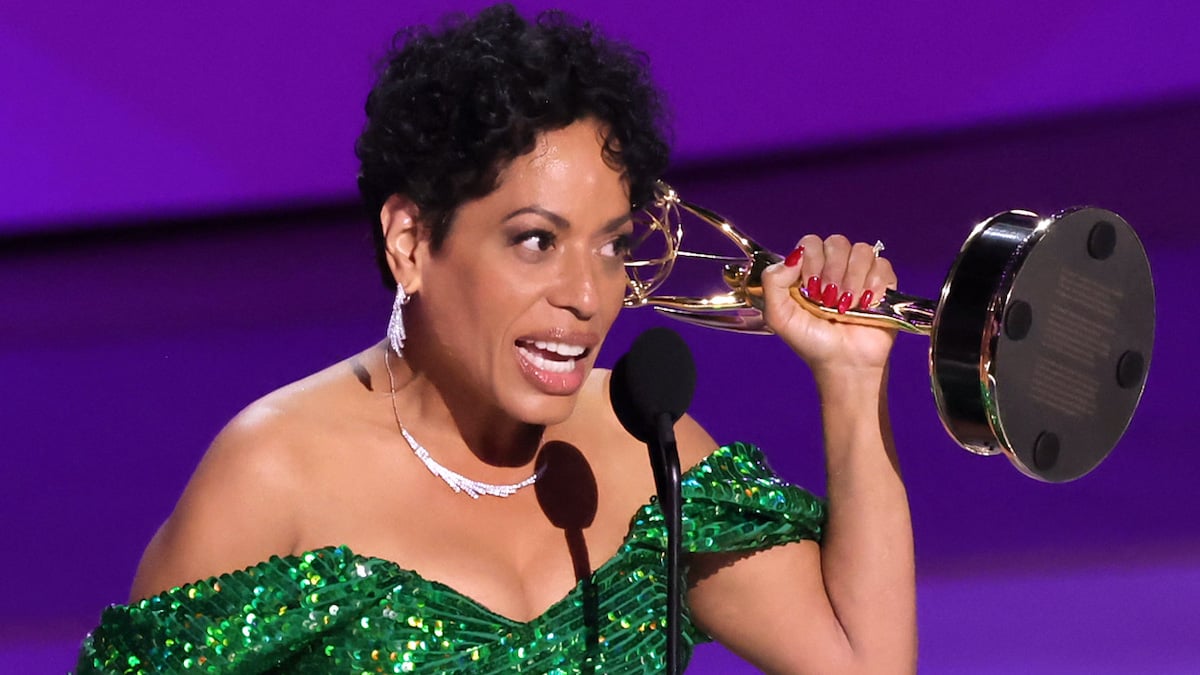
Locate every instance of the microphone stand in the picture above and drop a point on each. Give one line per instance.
(664, 461)
(650, 388)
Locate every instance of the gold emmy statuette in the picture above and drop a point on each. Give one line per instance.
(1039, 342)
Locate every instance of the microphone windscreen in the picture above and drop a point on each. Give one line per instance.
(656, 376)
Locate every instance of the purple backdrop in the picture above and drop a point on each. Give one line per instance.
(99, 328)
(134, 110)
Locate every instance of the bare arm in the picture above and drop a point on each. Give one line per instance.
(233, 513)
(867, 558)
(848, 605)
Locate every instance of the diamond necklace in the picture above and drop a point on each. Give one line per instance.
(456, 481)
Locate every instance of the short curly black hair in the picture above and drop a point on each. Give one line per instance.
(453, 106)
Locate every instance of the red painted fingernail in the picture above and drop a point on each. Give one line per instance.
(830, 296)
(814, 288)
(793, 258)
(844, 302)
(865, 302)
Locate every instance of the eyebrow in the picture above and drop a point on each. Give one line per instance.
(564, 224)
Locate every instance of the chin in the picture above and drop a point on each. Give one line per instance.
(544, 410)
(530, 405)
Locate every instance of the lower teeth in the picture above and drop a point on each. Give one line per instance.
(546, 364)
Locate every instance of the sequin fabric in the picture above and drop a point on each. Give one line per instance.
(332, 611)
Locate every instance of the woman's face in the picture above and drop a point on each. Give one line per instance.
(515, 304)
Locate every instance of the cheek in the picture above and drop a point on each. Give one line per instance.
(490, 302)
(616, 289)
(455, 306)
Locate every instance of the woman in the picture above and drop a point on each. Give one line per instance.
(501, 159)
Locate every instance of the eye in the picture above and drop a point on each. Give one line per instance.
(535, 240)
(617, 248)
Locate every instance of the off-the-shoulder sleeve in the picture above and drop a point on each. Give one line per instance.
(733, 501)
(248, 621)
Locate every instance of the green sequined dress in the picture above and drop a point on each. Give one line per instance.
(332, 611)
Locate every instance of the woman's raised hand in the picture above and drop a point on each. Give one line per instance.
(837, 274)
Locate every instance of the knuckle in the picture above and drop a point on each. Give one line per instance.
(837, 241)
(863, 248)
(882, 274)
(811, 243)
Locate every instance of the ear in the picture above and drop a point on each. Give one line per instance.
(400, 220)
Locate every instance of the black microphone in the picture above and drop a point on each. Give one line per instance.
(656, 376)
(650, 388)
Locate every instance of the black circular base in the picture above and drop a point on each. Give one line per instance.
(1042, 339)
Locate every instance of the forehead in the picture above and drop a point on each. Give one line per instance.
(564, 162)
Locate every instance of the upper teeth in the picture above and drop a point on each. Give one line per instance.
(559, 348)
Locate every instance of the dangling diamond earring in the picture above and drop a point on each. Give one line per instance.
(395, 329)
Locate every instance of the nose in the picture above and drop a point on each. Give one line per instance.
(576, 287)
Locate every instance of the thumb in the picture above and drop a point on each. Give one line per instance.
(777, 281)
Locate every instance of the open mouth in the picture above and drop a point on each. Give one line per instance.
(554, 357)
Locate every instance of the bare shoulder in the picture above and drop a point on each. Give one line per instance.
(694, 442)
(242, 504)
